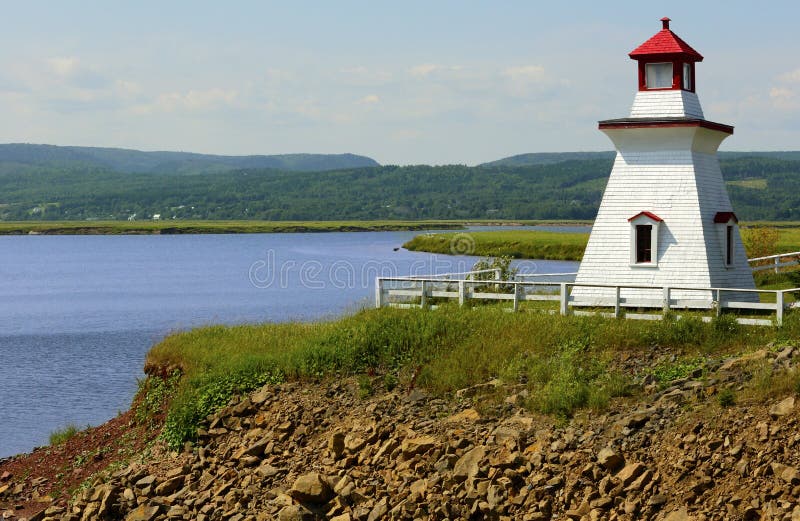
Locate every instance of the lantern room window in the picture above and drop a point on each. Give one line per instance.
(658, 75)
(687, 77)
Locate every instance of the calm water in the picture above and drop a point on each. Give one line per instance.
(78, 313)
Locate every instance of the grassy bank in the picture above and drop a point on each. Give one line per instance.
(187, 227)
(565, 362)
(527, 244)
(518, 244)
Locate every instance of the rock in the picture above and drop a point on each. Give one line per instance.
(609, 459)
(379, 510)
(790, 475)
(782, 408)
(465, 415)
(295, 513)
(418, 445)
(168, 487)
(468, 465)
(143, 513)
(311, 488)
(336, 444)
(630, 472)
(353, 443)
(678, 515)
(256, 449)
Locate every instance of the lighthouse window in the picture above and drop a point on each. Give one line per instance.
(658, 75)
(687, 76)
(729, 245)
(644, 243)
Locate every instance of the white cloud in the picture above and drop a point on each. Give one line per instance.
(370, 99)
(63, 66)
(427, 69)
(791, 77)
(526, 73)
(783, 98)
(194, 100)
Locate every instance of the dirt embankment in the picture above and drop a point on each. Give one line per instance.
(324, 451)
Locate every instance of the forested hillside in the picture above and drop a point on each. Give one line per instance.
(123, 160)
(761, 188)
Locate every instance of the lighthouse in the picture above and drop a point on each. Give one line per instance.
(665, 219)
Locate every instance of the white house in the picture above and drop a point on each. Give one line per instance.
(665, 218)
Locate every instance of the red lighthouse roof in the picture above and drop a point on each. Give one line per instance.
(665, 42)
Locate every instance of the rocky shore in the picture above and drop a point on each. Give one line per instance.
(303, 451)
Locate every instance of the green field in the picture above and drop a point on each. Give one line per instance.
(184, 227)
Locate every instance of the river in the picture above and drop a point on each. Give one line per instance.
(79, 313)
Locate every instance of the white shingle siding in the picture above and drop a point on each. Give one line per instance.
(674, 173)
(666, 103)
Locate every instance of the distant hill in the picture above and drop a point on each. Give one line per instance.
(549, 158)
(135, 161)
(760, 188)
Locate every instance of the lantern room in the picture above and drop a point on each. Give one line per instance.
(666, 62)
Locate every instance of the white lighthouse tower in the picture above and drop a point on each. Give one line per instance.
(665, 218)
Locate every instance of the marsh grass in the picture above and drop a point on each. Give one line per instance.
(517, 244)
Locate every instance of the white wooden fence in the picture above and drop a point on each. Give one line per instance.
(777, 262)
(424, 291)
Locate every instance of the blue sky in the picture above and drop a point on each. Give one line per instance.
(403, 82)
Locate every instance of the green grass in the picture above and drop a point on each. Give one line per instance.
(182, 227)
(518, 244)
(60, 436)
(564, 361)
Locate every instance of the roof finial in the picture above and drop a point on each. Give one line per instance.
(665, 23)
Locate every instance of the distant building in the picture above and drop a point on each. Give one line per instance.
(665, 218)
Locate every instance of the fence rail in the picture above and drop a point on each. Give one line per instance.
(423, 292)
(776, 261)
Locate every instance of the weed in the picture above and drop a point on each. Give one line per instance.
(726, 397)
(670, 371)
(60, 436)
(365, 388)
(390, 381)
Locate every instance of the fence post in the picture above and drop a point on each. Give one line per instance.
(777, 264)
(779, 308)
(423, 296)
(719, 302)
(516, 298)
(617, 303)
(666, 300)
(564, 299)
(497, 274)
(462, 292)
(378, 292)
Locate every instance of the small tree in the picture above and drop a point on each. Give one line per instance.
(760, 241)
(503, 264)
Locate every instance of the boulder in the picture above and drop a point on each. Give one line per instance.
(468, 465)
(610, 459)
(782, 408)
(311, 488)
